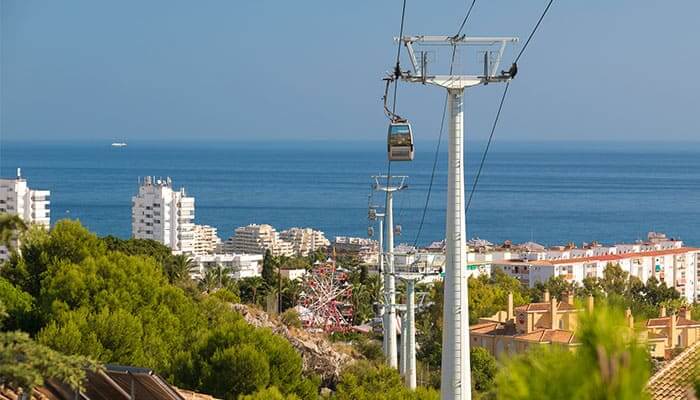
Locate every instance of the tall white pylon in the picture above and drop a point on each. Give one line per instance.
(390, 184)
(456, 373)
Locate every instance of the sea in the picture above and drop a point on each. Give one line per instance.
(547, 192)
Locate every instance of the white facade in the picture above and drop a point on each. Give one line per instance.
(257, 239)
(667, 261)
(206, 240)
(239, 266)
(304, 240)
(293, 274)
(32, 206)
(367, 250)
(160, 213)
(17, 198)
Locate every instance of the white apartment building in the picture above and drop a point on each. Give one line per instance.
(31, 205)
(665, 259)
(17, 198)
(257, 239)
(160, 213)
(304, 240)
(239, 266)
(367, 250)
(206, 239)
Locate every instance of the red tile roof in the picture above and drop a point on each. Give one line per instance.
(610, 257)
(665, 321)
(616, 257)
(548, 336)
(540, 307)
(674, 380)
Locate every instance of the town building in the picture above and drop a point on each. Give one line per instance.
(206, 240)
(553, 322)
(670, 332)
(367, 250)
(257, 239)
(550, 322)
(665, 259)
(160, 213)
(305, 240)
(32, 206)
(238, 266)
(293, 274)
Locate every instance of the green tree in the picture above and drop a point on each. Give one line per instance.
(179, 267)
(271, 393)
(608, 365)
(139, 247)
(92, 301)
(17, 304)
(367, 381)
(484, 368)
(263, 352)
(236, 370)
(251, 289)
(269, 268)
(615, 280)
(11, 226)
(557, 287)
(24, 364)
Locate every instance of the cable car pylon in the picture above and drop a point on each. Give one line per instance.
(389, 185)
(456, 372)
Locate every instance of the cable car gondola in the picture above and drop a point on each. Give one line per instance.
(400, 141)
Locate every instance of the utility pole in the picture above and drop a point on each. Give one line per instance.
(456, 373)
(410, 340)
(372, 216)
(389, 185)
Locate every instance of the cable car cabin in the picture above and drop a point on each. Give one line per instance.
(400, 142)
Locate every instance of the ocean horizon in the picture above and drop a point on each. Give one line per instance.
(548, 192)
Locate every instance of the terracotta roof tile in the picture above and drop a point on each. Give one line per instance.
(615, 257)
(539, 307)
(665, 321)
(548, 336)
(674, 380)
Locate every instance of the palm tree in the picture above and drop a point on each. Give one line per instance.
(11, 226)
(208, 283)
(179, 267)
(254, 284)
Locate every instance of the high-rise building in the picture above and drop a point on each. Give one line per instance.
(160, 213)
(17, 198)
(31, 205)
(257, 239)
(206, 240)
(305, 240)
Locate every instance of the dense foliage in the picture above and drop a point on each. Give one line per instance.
(619, 289)
(368, 381)
(608, 365)
(113, 301)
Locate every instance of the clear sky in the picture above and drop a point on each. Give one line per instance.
(297, 70)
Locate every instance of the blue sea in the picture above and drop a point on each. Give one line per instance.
(547, 192)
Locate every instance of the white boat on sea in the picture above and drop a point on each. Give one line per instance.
(119, 144)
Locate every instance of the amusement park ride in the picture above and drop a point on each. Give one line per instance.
(326, 298)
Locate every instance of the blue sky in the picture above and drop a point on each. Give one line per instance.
(307, 70)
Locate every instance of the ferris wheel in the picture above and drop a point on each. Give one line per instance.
(326, 299)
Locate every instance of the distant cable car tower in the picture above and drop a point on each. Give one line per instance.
(456, 373)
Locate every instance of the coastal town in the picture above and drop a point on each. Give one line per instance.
(164, 214)
(365, 201)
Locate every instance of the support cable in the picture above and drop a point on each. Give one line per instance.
(397, 74)
(442, 127)
(500, 106)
